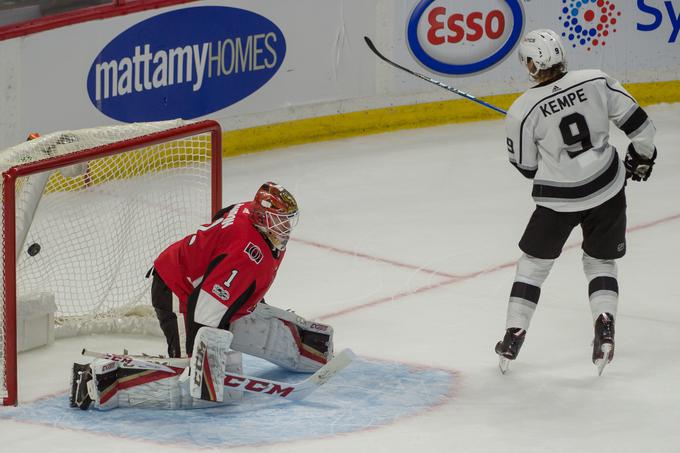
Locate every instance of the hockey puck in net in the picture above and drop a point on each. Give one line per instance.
(34, 249)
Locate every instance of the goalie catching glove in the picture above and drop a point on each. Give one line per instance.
(638, 167)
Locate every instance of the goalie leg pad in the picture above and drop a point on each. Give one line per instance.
(234, 364)
(108, 384)
(208, 363)
(283, 338)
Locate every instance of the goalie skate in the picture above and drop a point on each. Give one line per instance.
(603, 343)
(509, 347)
(80, 396)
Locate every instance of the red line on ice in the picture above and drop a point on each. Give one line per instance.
(448, 278)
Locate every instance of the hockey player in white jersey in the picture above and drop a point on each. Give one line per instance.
(558, 135)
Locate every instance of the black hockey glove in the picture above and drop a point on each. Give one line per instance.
(638, 167)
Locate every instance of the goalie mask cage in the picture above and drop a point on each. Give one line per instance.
(86, 212)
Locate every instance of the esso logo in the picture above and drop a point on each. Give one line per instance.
(454, 37)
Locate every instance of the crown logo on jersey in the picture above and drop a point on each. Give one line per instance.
(556, 89)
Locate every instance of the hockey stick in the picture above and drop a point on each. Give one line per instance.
(292, 392)
(177, 362)
(289, 391)
(129, 361)
(431, 80)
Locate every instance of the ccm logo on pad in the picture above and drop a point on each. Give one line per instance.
(242, 382)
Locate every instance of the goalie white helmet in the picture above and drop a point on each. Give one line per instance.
(544, 48)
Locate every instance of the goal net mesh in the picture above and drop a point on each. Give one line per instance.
(88, 233)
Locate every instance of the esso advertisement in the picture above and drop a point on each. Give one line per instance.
(456, 37)
(185, 64)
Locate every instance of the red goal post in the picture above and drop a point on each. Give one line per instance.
(152, 178)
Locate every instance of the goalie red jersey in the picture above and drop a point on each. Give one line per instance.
(228, 263)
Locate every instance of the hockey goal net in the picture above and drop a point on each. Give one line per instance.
(86, 212)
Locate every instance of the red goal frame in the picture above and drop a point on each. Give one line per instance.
(9, 221)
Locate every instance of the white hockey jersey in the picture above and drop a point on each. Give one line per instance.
(558, 134)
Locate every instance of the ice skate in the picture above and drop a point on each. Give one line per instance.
(508, 349)
(80, 376)
(603, 343)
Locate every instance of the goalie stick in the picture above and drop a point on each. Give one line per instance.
(129, 361)
(286, 390)
(431, 80)
(179, 362)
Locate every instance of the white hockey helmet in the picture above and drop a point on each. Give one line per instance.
(545, 49)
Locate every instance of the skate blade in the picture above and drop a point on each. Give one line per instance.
(606, 358)
(503, 364)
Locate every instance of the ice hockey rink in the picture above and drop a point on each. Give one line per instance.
(406, 245)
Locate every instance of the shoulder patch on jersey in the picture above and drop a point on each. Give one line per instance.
(254, 252)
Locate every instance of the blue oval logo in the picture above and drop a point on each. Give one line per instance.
(185, 64)
(456, 38)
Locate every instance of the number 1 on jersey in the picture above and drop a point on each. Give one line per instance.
(228, 281)
(575, 130)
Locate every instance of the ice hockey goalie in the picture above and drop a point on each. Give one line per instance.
(214, 281)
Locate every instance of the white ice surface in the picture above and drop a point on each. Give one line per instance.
(405, 245)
